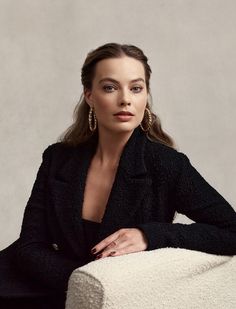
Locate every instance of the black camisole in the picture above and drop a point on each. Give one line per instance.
(91, 229)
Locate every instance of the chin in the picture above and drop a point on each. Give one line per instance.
(121, 128)
(125, 127)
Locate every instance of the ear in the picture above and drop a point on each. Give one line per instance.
(87, 96)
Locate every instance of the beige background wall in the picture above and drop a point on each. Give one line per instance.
(191, 48)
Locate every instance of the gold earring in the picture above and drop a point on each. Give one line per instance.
(90, 117)
(147, 119)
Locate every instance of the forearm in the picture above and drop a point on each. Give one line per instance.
(195, 236)
(214, 230)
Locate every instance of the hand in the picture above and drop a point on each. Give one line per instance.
(123, 241)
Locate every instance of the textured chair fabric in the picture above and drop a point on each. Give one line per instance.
(161, 278)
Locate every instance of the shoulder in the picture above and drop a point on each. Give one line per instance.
(165, 158)
(164, 152)
(55, 147)
(57, 151)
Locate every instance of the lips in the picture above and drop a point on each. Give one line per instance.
(124, 114)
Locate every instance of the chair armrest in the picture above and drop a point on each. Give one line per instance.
(161, 278)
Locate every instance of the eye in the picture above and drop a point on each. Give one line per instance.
(137, 89)
(108, 88)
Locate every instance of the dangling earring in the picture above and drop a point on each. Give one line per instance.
(147, 119)
(90, 117)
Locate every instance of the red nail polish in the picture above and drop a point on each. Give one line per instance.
(98, 256)
(93, 251)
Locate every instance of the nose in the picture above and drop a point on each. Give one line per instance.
(125, 99)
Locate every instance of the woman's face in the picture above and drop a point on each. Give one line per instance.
(118, 85)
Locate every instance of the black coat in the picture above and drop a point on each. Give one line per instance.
(153, 181)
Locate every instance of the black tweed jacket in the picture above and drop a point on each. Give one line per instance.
(153, 181)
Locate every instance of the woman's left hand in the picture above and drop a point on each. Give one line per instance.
(123, 241)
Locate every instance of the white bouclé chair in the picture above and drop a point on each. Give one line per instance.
(162, 278)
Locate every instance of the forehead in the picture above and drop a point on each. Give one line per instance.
(119, 68)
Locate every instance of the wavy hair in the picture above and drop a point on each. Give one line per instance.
(79, 131)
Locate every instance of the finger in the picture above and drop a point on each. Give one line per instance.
(105, 242)
(115, 251)
(120, 246)
(113, 244)
(132, 241)
(122, 251)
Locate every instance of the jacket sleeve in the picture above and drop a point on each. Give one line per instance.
(35, 255)
(214, 229)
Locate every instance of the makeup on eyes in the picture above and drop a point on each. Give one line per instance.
(111, 86)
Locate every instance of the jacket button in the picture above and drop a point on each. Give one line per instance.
(55, 246)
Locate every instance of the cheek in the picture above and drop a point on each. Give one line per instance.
(104, 106)
(140, 105)
(140, 114)
(103, 103)
(141, 100)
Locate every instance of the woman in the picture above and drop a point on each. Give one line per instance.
(111, 186)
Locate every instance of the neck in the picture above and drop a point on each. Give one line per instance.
(110, 147)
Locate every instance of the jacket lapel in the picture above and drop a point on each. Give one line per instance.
(129, 187)
(127, 193)
(67, 188)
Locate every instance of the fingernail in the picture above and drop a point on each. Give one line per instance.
(113, 252)
(93, 250)
(98, 256)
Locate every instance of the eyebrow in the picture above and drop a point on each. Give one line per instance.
(115, 81)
